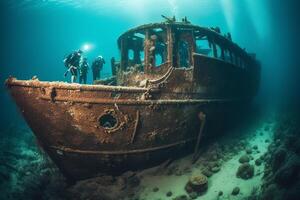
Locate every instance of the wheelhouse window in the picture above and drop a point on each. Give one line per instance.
(184, 54)
(130, 54)
(183, 47)
(216, 47)
(134, 52)
(204, 46)
(157, 47)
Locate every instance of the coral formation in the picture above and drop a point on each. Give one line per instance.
(198, 184)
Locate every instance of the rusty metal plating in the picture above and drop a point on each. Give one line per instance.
(168, 73)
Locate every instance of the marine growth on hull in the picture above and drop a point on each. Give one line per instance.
(192, 77)
(128, 136)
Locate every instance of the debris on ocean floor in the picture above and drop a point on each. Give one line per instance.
(219, 162)
(271, 172)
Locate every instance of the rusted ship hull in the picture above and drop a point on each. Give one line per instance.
(66, 119)
(168, 74)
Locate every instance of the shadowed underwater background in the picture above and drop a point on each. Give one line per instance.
(36, 35)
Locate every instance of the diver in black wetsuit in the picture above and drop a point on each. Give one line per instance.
(72, 62)
(83, 69)
(97, 67)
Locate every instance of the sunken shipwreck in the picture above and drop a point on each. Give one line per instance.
(112, 100)
(187, 75)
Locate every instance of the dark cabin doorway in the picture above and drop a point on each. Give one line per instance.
(184, 46)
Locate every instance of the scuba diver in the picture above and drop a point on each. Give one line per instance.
(97, 67)
(72, 62)
(83, 69)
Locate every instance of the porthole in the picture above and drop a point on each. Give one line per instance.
(108, 121)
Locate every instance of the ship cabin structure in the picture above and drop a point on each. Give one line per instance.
(203, 60)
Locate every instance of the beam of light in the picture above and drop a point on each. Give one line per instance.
(228, 11)
(173, 7)
(260, 17)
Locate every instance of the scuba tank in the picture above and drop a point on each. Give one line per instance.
(67, 60)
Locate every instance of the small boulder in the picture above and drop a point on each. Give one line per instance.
(248, 150)
(155, 189)
(197, 184)
(207, 173)
(215, 169)
(244, 159)
(169, 194)
(181, 197)
(258, 162)
(212, 164)
(245, 171)
(235, 191)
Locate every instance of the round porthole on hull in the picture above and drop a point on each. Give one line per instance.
(108, 121)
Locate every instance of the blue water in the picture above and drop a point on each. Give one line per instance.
(36, 35)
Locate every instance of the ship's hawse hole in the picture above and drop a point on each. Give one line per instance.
(108, 121)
